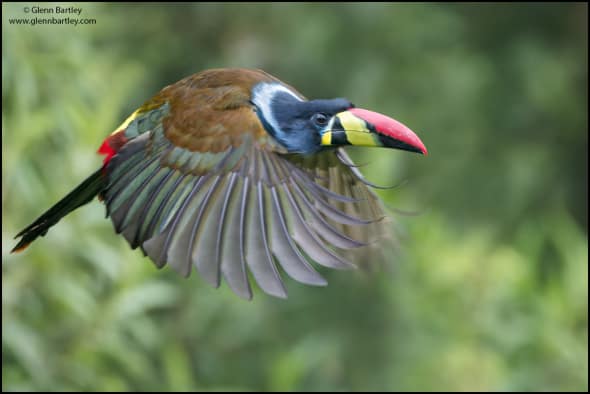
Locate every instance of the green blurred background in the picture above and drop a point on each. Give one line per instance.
(489, 290)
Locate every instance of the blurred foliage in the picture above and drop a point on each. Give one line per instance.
(489, 290)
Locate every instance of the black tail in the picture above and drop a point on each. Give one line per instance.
(81, 195)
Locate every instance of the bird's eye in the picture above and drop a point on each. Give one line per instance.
(320, 119)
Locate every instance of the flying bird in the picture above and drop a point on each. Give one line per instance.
(232, 171)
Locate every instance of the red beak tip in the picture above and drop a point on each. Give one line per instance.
(391, 127)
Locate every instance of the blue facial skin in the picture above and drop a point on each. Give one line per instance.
(302, 123)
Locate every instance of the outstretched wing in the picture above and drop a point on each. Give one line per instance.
(222, 196)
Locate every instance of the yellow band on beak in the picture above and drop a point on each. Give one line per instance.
(356, 130)
(361, 138)
(350, 122)
(348, 129)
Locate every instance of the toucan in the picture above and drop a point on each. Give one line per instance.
(236, 173)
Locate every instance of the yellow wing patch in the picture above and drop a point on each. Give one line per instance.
(146, 107)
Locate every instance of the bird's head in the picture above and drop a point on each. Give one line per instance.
(306, 127)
